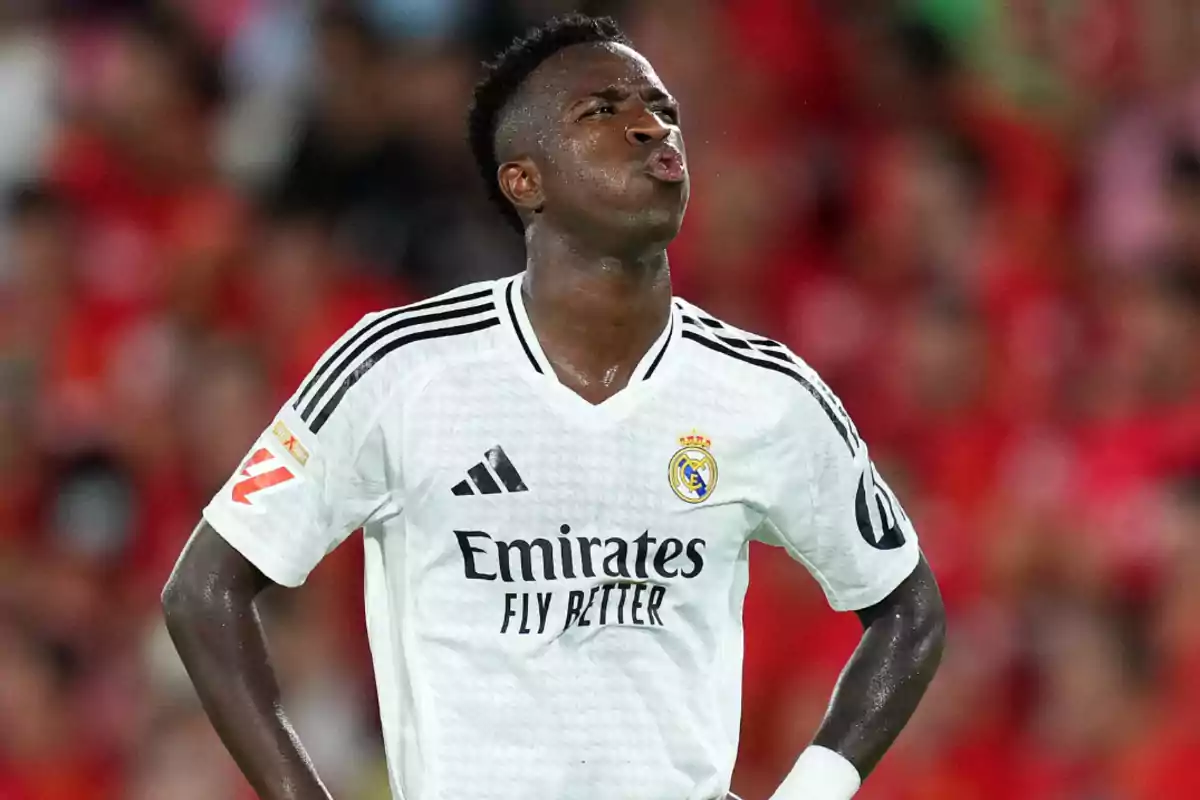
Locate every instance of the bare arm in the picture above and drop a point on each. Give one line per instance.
(209, 607)
(886, 677)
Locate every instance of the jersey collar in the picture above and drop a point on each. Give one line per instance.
(516, 319)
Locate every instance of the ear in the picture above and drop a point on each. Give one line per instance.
(522, 184)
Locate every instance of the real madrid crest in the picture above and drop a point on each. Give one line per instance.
(693, 470)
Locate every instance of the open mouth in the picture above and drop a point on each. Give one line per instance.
(666, 164)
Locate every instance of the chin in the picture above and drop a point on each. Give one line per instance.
(649, 229)
(640, 218)
(657, 220)
(667, 229)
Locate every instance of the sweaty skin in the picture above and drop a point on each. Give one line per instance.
(591, 154)
(886, 677)
(208, 603)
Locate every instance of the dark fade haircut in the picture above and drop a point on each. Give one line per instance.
(504, 77)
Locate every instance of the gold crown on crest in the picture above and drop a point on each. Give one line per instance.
(694, 439)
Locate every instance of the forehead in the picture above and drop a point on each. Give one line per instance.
(583, 69)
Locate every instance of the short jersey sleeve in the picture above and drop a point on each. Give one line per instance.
(298, 494)
(832, 510)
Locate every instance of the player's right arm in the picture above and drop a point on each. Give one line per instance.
(209, 607)
(316, 474)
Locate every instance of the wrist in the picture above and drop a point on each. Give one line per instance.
(819, 774)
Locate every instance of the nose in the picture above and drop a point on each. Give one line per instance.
(647, 130)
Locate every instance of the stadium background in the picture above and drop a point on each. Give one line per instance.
(979, 219)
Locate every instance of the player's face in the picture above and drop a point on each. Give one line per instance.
(616, 161)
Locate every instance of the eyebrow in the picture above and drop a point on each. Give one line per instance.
(615, 94)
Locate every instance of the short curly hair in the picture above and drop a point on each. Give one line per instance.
(504, 76)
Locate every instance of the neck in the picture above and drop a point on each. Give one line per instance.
(595, 312)
(568, 287)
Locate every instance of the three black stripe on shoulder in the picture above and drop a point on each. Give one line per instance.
(346, 366)
(757, 352)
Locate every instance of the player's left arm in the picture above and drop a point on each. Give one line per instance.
(836, 515)
(886, 676)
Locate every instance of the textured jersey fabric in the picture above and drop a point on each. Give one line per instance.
(554, 588)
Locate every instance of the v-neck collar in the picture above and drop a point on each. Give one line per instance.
(516, 319)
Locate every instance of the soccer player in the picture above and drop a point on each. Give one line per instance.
(558, 476)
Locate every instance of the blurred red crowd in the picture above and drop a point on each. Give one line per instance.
(979, 221)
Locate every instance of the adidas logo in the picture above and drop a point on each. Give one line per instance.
(484, 479)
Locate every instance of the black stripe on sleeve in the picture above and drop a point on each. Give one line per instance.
(772, 349)
(447, 301)
(748, 344)
(364, 344)
(774, 367)
(837, 404)
(512, 313)
(381, 319)
(712, 323)
(362, 369)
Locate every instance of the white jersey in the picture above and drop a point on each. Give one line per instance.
(554, 588)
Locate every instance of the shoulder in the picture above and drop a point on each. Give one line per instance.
(783, 379)
(737, 351)
(390, 349)
(454, 322)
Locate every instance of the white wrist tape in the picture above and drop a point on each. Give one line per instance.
(819, 774)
